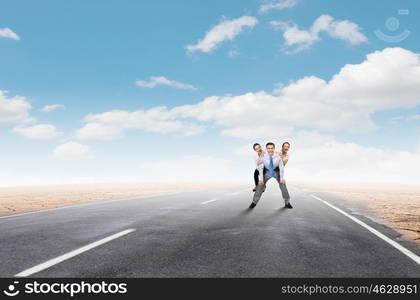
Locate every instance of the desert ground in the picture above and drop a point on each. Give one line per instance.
(31, 198)
(397, 205)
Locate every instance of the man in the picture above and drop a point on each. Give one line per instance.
(260, 153)
(271, 166)
(284, 154)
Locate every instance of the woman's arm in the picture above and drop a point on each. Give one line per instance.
(284, 158)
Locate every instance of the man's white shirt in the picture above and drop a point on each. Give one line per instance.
(265, 159)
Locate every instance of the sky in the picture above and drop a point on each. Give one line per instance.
(129, 91)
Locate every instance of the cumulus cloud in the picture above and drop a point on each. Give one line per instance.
(71, 151)
(304, 39)
(110, 125)
(40, 132)
(14, 109)
(404, 118)
(225, 30)
(259, 130)
(99, 131)
(279, 4)
(387, 79)
(413, 117)
(323, 158)
(8, 33)
(186, 168)
(52, 107)
(161, 80)
(232, 53)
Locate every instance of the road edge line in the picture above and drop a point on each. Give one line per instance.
(393, 243)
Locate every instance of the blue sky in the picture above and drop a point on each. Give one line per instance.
(88, 55)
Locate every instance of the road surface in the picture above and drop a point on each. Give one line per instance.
(204, 233)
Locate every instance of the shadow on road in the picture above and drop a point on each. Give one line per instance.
(245, 212)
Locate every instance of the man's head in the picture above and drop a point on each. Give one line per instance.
(257, 147)
(270, 148)
(285, 147)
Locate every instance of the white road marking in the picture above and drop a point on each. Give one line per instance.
(71, 254)
(221, 197)
(393, 243)
(212, 200)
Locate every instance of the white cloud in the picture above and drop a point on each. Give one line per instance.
(110, 125)
(161, 80)
(8, 33)
(232, 53)
(404, 118)
(49, 108)
(258, 130)
(40, 132)
(304, 39)
(71, 151)
(279, 4)
(186, 168)
(99, 131)
(225, 30)
(15, 109)
(316, 157)
(387, 79)
(413, 117)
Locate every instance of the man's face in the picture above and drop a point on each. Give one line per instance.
(286, 148)
(270, 149)
(257, 148)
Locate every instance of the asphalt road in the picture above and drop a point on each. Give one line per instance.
(203, 233)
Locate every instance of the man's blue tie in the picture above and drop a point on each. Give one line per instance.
(271, 169)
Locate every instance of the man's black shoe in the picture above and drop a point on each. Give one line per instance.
(254, 189)
(288, 205)
(252, 205)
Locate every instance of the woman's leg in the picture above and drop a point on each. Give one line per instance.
(256, 174)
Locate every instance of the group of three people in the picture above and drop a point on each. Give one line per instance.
(270, 164)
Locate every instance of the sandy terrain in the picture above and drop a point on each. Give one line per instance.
(397, 205)
(22, 199)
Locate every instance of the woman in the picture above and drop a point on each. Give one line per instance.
(285, 152)
(258, 149)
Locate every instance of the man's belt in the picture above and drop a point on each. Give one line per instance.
(275, 169)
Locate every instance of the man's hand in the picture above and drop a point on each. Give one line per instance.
(282, 180)
(259, 162)
(261, 182)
